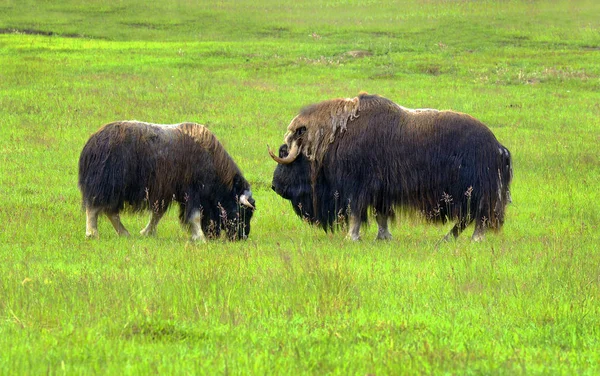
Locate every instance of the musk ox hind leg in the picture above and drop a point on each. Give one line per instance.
(382, 223)
(456, 230)
(478, 234)
(115, 219)
(150, 228)
(91, 221)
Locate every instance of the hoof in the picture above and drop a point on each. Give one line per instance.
(198, 238)
(91, 233)
(146, 232)
(386, 236)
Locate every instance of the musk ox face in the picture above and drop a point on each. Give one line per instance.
(230, 215)
(233, 220)
(242, 230)
(292, 182)
(238, 227)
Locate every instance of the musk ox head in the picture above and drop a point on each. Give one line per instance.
(239, 227)
(317, 126)
(292, 182)
(230, 215)
(312, 198)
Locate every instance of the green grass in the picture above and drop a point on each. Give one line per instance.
(293, 299)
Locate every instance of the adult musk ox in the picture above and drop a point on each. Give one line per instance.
(343, 156)
(136, 165)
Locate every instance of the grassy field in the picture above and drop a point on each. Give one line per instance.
(292, 299)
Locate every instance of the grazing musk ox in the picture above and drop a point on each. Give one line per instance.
(343, 156)
(137, 165)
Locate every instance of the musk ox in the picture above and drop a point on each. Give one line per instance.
(343, 156)
(136, 165)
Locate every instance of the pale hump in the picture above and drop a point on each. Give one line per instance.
(323, 122)
(224, 164)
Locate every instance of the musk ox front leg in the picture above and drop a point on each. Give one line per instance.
(382, 223)
(150, 228)
(195, 222)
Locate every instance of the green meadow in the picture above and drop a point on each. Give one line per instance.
(293, 299)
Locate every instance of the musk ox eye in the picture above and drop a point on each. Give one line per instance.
(300, 131)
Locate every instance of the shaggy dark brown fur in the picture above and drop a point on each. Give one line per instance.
(445, 164)
(136, 165)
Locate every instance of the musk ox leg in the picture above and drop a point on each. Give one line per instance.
(115, 219)
(91, 222)
(479, 233)
(196, 225)
(456, 230)
(150, 228)
(382, 222)
(354, 233)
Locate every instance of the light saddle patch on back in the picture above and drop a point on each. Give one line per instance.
(226, 168)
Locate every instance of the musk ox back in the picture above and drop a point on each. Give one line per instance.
(344, 156)
(142, 166)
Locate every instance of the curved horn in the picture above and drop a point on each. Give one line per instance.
(292, 155)
(244, 199)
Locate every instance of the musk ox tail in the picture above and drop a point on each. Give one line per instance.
(500, 197)
(506, 175)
